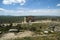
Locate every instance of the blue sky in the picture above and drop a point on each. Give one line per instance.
(30, 7)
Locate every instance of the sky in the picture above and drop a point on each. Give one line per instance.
(30, 7)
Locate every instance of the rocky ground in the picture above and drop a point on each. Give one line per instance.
(8, 36)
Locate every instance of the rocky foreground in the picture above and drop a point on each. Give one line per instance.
(8, 36)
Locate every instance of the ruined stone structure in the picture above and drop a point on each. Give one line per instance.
(29, 19)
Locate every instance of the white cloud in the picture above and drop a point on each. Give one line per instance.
(1, 9)
(58, 4)
(54, 12)
(21, 2)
